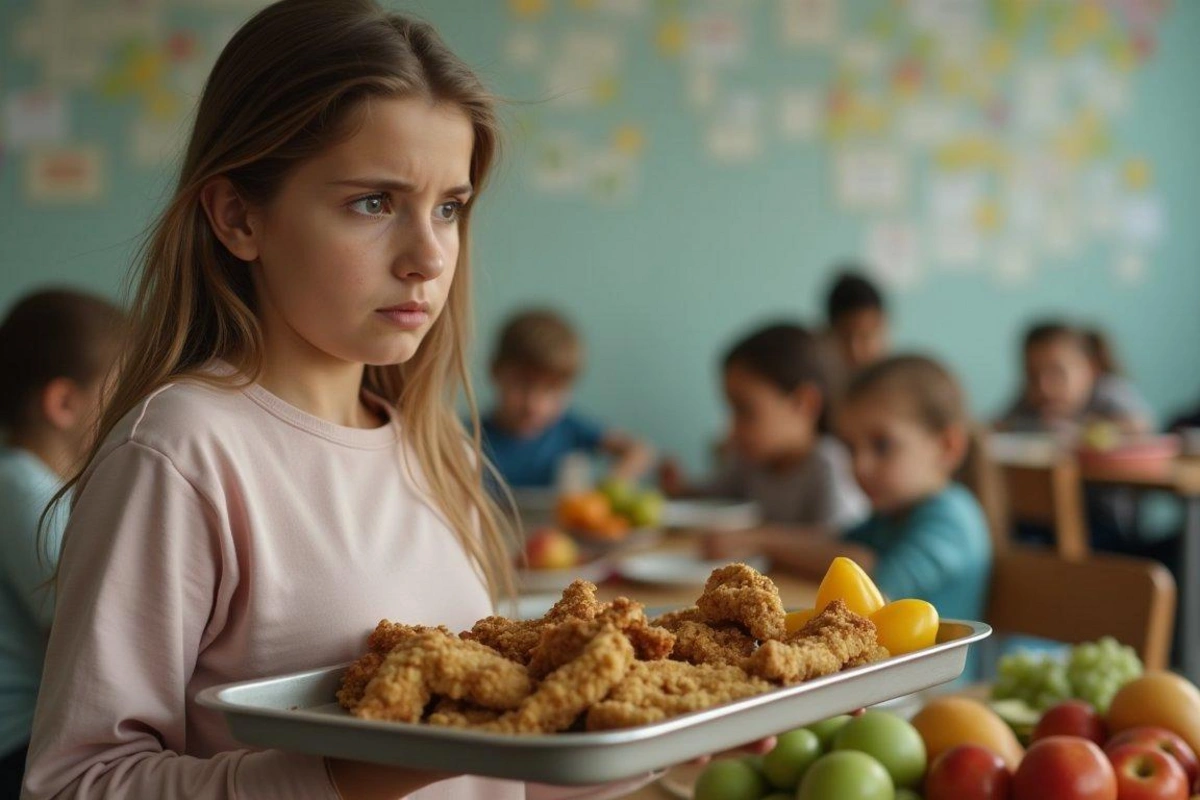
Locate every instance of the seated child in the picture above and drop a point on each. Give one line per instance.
(1071, 379)
(531, 427)
(858, 320)
(905, 422)
(56, 347)
(779, 383)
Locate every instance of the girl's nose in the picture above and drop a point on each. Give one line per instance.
(424, 259)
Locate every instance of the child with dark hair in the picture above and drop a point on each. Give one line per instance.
(56, 346)
(780, 384)
(1072, 379)
(858, 320)
(905, 423)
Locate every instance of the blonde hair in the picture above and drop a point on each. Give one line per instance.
(542, 341)
(285, 88)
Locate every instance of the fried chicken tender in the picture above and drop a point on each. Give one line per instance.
(564, 641)
(831, 640)
(698, 643)
(739, 593)
(457, 714)
(658, 690)
(432, 662)
(356, 678)
(516, 639)
(572, 688)
(389, 634)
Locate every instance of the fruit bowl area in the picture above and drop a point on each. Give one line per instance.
(957, 747)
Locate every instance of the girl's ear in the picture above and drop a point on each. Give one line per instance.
(808, 398)
(954, 441)
(229, 217)
(61, 403)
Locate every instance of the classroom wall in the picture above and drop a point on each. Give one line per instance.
(676, 171)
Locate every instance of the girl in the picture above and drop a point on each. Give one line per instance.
(1071, 379)
(904, 421)
(56, 346)
(280, 463)
(779, 385)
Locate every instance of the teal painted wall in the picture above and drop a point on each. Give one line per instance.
(661, 279)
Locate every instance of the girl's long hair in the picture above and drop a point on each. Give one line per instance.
(285, 88)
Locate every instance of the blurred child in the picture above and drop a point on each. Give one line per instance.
(56, 346)
(1071, 379)
(532, 428)
(904, 420)
(779, 384)
(858, 320)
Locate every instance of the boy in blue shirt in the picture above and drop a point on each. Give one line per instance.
(531, 427)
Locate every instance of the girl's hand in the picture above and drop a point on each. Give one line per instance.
(761, 747)
(358, 780)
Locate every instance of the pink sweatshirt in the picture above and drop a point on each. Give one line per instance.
(220, 536)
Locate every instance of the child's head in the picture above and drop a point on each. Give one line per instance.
(534, 367)
(905, 422)
(858, 319)
(779, 383)
(1060, 370)
(321, 222)
(56, 347)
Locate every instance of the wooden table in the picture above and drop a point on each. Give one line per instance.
(1181, 478)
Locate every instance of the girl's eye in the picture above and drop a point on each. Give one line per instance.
(448, 211)
(882, 446)
(373, 205)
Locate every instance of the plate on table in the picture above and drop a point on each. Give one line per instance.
(298, 713)
(711, 514)
(676, 569)
(1140, 451)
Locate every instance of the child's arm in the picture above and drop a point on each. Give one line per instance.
(27, 567)
(632, 458)
(146, 578)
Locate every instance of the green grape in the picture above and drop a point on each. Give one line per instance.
(1039, 680)
(1098, 670)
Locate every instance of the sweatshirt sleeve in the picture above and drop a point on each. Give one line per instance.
(139, 577)
(930, 556)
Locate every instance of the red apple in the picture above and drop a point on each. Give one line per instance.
(968, 772)
(1170, 743)
(1147, 773)
(547, 548)
(1072, 718)
(1065, 768)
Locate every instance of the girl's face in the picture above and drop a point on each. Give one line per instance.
(897, 459)
(1059, 378)
(357, 252)
(768, 424)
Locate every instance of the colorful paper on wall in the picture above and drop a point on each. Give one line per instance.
(64, 175)
(35, 117)
(870, 179)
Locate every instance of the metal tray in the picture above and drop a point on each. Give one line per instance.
(295, 712)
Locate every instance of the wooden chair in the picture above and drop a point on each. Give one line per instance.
(1037, 593)
(1049, 495)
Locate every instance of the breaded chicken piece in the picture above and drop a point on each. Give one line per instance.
(831, 640)
(380, 642)
(356, 678)
(458, 714)
(515, 639)
(658, 690)
(739, 593)
(432, 662)
(389, 634)
(699, 643)
(564, 641)
(572, 688)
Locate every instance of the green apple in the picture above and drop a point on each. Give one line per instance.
(780, 796)
(645, 511)
(620, 494)
(907, 794)
(794, 752)
(731, 779)
(846, 775)
(889, 740)
(826, 729)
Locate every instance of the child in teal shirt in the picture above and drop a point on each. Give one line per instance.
(55, 348)
(904, 421)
